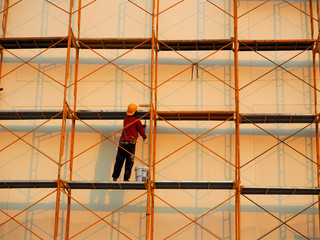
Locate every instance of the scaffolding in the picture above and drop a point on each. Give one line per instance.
(62, 187)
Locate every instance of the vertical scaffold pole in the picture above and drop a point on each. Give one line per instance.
(5, 17)
(317, 121)
(64, 123)
(75, 91)
(311, 18)
(156, 32)
(4, 30)
(237, 126)
(149, 227)
(315, 52)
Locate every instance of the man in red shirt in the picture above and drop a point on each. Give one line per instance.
(127, 144)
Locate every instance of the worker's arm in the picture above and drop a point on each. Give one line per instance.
(141, 130)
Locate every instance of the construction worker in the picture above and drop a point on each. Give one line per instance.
(132, 127)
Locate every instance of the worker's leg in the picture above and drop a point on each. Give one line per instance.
(129, 162)
(121, 155)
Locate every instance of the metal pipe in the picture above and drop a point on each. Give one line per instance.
(64, 123)
(311, 18)
(151, 136)
(155, 121)
(4, 29)
(316, 51)
(72, 141)
(237, 121)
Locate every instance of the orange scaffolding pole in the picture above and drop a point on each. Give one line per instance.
(237, 121)
(154, 155)
(311, 20)
(64, 123)
(316, 51)
(4, 30)
(152, 123)
(73, 127)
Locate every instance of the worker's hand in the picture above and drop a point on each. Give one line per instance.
(144, 126)
(144, 139)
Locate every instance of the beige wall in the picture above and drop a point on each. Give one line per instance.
(111, 88)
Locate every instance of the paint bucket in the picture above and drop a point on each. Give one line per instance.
(142, 174)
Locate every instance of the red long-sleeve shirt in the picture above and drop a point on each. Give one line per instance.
(133, 127)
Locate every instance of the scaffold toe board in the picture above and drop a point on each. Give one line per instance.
(276, 45)
(29, 115)
(195, 45)
(28, 184)
(34, 42)
(194, 185)
(111, 115)
(277, 118)
(280, 190)
(120, 185)
(114, 43)
(195, 115)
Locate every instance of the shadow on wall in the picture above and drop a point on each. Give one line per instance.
(103, 172)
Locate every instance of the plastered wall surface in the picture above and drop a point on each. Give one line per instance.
(37, 85)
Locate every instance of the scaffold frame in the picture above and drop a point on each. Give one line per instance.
(64, 187)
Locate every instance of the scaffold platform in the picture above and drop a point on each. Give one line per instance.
(183, 185)
(162, 45)
(167, 115)
(280, 190)
(120, 185)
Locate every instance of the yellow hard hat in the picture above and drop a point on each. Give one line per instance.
(132, 108)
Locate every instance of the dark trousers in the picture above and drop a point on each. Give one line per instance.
(121, 156)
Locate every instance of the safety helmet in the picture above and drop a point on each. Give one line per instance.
(132, 108)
